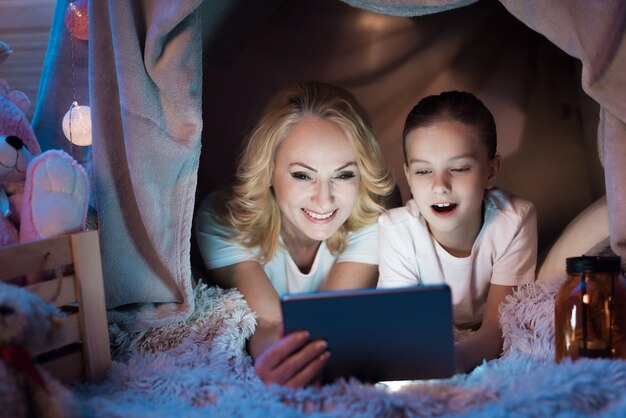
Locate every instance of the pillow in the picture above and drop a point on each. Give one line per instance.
(587, 234)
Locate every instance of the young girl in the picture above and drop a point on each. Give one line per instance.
(457, 228)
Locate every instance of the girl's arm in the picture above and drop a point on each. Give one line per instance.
(292, 360)
(486, 343)
(521, 258)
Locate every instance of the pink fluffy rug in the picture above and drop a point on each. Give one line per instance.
(200, 369)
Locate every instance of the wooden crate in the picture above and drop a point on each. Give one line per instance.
(82, 353)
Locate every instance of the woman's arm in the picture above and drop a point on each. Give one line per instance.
(292, 360)
(249, 278)
(398, 264)
(357, 266)
(348, 275)
(486, 343)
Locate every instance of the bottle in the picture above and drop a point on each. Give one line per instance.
(590, 310)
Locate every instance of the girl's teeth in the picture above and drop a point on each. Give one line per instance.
(444, 207)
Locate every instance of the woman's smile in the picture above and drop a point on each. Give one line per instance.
(320, 216)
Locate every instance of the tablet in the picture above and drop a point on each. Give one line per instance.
(379, 334)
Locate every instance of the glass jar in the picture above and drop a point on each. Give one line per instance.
(590, 310)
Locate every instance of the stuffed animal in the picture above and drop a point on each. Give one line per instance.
(27, 325)
(41, 194)
(5, 51)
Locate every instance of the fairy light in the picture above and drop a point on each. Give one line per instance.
(76, 123)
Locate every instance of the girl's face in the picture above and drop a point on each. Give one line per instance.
(316, 180)
(448, 172)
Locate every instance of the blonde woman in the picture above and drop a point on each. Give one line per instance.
(310, 185)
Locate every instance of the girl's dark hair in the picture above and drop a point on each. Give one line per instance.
(457, 106)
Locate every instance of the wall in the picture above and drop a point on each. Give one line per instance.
(546, 123)
(25, 26)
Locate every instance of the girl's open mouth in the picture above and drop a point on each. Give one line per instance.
(443, 208)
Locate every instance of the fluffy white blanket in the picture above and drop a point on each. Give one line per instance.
(201, 369)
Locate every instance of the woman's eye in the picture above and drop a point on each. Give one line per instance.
(300, 176)
(460, 170)
(345, 175)
(422, 172)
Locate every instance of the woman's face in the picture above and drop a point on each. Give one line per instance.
(316, 180)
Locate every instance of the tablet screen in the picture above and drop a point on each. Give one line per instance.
(379, 334)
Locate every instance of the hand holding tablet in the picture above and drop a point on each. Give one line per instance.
(378, 334)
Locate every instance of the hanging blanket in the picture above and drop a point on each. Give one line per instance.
(200, 368)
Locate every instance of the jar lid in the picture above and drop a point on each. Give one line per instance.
(592, 264)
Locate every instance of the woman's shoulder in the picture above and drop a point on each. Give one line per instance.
(212, 209)
(367, 230)
(215, 200)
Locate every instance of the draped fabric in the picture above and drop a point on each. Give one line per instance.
(142, 74)
(64, 79)
(409, 8)
(593, 32)
(143, 82)
(145, 86)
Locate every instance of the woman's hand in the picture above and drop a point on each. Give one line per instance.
(293, 361)
(290, 360)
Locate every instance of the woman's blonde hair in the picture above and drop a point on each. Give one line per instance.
(252, 210)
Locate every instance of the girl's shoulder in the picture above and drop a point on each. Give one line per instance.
(508, 211)
(401, 215)
(505, 202)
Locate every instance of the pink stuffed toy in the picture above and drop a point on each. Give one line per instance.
(41, 194)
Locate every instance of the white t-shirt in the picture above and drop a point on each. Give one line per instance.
(504, 253)
(217, 251)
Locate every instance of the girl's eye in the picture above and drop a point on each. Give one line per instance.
(460, 170)
(299, 175)
(345, 175)
(422, 172)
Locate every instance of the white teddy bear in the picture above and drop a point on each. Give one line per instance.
(28, 325)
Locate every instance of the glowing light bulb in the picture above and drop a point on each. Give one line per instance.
(77, 125)
(76, 19)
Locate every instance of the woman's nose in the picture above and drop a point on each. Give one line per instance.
(324, 195)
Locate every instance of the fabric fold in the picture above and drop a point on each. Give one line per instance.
(145, 82)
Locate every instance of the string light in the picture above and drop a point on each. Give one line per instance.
(77, 121)
(77, 20)
(77, 125)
